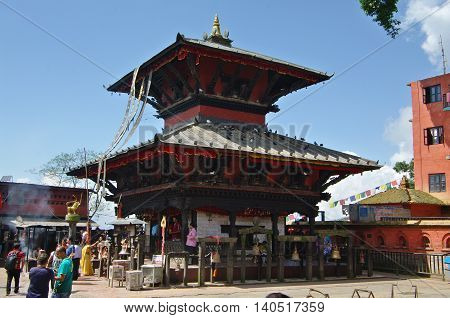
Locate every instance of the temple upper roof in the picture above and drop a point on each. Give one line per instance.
(213, 71)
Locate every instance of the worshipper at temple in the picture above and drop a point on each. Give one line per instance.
(13, 264)
(74, 251)
(191, 240)
(63, 284)
(84, 237)
(40, 277)
(175, 230)
(54, 261)
(86, 261)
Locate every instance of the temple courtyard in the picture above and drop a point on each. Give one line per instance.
(380, 285)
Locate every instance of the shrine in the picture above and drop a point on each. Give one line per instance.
(216, 164)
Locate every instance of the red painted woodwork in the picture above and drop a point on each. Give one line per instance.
(215, 113)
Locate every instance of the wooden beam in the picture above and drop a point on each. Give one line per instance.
(272, 81)
(212, 83)
(193, 70)
(251, 85)
(236, 73)
(294, 86)
(177, 74)
(161, 93)
(171, 82)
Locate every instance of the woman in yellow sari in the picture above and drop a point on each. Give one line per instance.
(86, 261)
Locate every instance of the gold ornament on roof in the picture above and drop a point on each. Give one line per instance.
(216, 27)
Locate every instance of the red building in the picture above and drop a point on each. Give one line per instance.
(431, 124)
(35, 212)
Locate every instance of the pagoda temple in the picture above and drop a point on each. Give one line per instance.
(216, 164)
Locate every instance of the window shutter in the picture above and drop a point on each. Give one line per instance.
(425, 136)
(424, 95)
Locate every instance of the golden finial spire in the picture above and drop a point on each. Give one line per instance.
(216, 27)
(216, 36)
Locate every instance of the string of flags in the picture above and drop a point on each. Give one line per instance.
(365, 194)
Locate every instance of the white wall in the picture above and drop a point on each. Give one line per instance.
(212, 228)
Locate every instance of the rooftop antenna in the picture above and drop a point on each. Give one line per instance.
(444, 61)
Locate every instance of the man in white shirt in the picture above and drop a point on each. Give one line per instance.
(74, 251)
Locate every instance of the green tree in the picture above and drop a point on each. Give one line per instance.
(382, 12)
(405, 167)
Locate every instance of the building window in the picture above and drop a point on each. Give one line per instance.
(434, 135)
(402, 242)
(437, 182)
(447, 243)
(426, 242)
(432, 94)
(380, 241)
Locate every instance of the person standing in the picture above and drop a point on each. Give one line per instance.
(74, 251)
(63, 284)
(175, 230)
(86, 261)
(40, 277)
(191, 240)
(13, 265)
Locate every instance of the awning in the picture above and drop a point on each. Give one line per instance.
(48, 223)
(131, 221)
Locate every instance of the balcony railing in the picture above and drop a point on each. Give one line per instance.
(421, 218)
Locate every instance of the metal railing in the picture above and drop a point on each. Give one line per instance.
(421, 218)
(409, 263)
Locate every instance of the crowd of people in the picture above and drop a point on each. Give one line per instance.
(57, 270)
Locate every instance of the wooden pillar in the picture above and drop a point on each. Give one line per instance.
(230, 261)
(269, 259)
(201, 264)
(309, 260)
(243, 261)
(232, 219)
(281, 249)
(312, 224)
(350, 267)
(185, 271)
(275, 232)
(321, 261)
(184, 226)
(167, 268)
(369, 263)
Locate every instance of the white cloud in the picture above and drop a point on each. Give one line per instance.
(356, 184)
(398, 131)
(434, 26)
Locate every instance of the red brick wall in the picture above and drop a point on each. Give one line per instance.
(413, 236)
(430, 159)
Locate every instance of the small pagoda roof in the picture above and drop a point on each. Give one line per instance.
(253, 141)
(402, 196)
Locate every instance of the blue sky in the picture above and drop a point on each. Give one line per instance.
(53, 101)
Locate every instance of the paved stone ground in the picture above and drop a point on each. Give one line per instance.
(380, 285)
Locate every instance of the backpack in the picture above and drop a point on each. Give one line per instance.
(11, 262)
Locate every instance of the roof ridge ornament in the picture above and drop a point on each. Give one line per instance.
(216, 35)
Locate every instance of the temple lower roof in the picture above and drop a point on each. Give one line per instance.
(254, 141)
